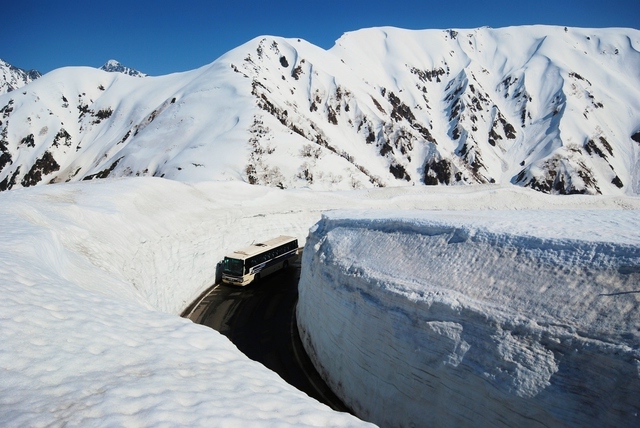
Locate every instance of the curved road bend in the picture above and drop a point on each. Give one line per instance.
(260, 320)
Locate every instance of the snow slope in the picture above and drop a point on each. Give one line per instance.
(477, 318)
(551, 108)
(94, 274)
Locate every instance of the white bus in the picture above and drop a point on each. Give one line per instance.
(258, 260)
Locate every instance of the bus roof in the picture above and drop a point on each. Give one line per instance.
(260, 247)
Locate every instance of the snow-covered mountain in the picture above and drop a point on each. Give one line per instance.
(12, 78)
(552, 108)
(114, 66)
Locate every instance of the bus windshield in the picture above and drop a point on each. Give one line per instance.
(232, 266)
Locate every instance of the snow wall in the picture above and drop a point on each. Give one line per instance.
(92, 275)
(494, 318)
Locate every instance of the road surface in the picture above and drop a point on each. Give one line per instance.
(260, 320)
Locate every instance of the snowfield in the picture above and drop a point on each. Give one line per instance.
(477, 318)
(94, 274)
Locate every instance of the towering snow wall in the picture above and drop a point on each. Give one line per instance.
(90, 274)
(521, 318)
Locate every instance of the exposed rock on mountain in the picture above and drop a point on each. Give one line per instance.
(12, 78)
(114, 66)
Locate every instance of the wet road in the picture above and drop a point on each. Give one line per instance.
(260, 320)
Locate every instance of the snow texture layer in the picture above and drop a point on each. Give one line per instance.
(492, 318)
(550, 108)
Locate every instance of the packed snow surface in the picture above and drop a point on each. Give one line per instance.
(94, 274)
(477, 318)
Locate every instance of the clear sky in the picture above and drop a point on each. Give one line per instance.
(164, 36)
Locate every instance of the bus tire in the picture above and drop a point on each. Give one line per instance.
(285, 264)
(257, 278)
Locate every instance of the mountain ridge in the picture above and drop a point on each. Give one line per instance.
(114, 66)
(551, 108)
(12, 77)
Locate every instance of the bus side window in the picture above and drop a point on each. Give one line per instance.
(251, 263)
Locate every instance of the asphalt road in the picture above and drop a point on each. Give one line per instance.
(260, 320)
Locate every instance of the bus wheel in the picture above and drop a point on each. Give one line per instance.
(256, 278)
(285, 264)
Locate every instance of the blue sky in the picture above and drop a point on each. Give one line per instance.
(161, 36)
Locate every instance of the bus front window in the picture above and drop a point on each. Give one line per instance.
(232, 266)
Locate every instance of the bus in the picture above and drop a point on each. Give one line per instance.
(258, 260)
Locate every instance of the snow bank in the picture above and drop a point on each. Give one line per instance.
(89, 277)
(516, 318)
